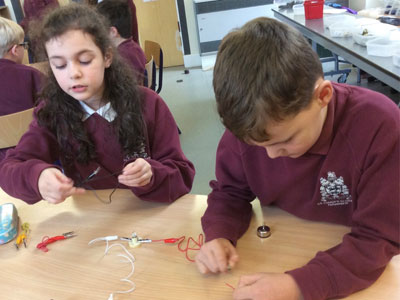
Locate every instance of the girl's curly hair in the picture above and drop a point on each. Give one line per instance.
(63, 114)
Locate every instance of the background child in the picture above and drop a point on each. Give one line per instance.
(34, 10)
(18, 83)
(319, 150)
(134, 22)
(96, 120)
(119, 15)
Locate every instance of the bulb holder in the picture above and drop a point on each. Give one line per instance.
(263, 231)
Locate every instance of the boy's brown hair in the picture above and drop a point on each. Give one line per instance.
(265, 72)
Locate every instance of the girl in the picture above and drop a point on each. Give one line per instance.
(104, 129)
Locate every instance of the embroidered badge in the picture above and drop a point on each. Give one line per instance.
(334, 191)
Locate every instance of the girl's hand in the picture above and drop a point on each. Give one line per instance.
(137, 173)
(216, 256)
(55, 187)
(267, 286)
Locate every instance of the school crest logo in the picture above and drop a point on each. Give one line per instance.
(334, 191)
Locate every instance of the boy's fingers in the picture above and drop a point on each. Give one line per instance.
(242, 293)
(221, 258)
(200, 265)
(207, 258)
(218, 259)
(248, 280)
(233, 259)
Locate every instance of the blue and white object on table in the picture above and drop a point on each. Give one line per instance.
(8, 222)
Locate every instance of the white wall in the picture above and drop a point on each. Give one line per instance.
(194, 58)
(357, 4)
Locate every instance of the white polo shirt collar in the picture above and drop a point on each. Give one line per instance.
(106, 111)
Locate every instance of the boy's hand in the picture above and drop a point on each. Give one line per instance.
(55, 187)
(215, 256)
(137, 173)
(267, 286)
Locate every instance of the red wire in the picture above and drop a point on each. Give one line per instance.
(197, 244)
(230, 286)
(167, 241)
(46, 240)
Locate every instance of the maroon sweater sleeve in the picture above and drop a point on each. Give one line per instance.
(173, 173)
(20, 170)
(374, 238)
(229, 210)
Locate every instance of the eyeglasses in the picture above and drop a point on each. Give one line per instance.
(23, 44)
(92, 177)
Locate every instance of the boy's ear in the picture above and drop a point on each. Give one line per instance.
(14, 50)
(108, 58)
(114, 32)
(324, 93)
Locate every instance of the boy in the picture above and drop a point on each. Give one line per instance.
(118, 14)
(291, 136)
(18, 83)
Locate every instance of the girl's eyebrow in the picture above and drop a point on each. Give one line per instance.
(77, 54)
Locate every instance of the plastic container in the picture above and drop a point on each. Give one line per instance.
(362, 39)
(364, 33)
(313, 9)
(298, 9)
(329, 20)
(396, 58)
(341, 29)
(383, 47)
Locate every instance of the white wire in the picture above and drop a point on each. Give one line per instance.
(123, 247)
(127, 277)
(129, 257)
(106, 238)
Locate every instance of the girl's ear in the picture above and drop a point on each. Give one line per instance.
(108, 58)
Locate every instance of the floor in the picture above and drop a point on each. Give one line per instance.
(190, 97)
(191, 100)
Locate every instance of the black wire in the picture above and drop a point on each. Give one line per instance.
(94, 178)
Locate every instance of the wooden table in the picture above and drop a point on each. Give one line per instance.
(73, 270)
